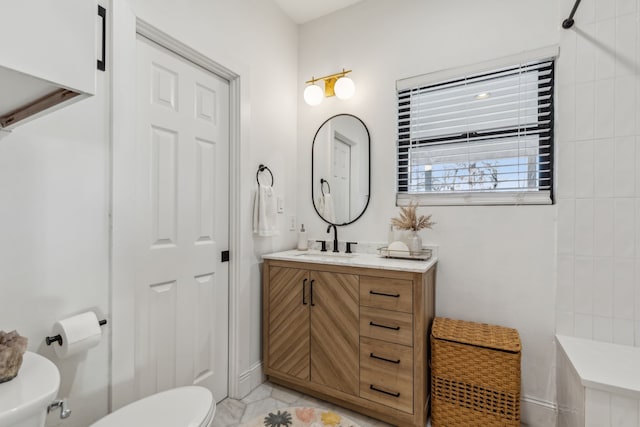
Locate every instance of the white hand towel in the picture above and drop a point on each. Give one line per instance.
(320, 205)
(329, 213)
(264, 212)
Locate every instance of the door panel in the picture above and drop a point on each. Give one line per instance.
(289, 321)
(162, 316)
(341, 178)
(182, 156)
(164, 144)
(335, 331)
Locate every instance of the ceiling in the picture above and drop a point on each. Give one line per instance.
(301, 11)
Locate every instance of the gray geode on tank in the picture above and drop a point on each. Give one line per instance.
(12, 347)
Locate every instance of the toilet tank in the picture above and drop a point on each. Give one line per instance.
(24, 399)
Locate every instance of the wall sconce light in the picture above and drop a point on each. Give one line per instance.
(337, 84)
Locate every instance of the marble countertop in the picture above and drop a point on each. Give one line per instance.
(354, 260)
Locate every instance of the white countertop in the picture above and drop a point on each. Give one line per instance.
(354, 260)
(603, 366)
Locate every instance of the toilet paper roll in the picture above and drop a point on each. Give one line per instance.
(79, 333)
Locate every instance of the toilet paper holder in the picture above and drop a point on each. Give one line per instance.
(58, 338)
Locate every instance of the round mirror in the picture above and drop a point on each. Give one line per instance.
(340, 172)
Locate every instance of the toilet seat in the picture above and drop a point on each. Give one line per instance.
(190, 406)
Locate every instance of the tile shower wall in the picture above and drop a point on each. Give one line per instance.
(580, 406)
(604, 409)
(571, 393)
(598, 164)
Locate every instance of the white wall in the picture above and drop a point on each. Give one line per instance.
(54, 247)
(598, 292)
(55, 184)
(497, 264)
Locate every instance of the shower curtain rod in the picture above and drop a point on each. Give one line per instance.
(568, 23)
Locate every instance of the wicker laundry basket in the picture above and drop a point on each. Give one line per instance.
(475, 377)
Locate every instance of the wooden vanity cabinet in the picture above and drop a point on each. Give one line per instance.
(355, 336)
(313, 327)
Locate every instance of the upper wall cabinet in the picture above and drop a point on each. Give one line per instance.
(47, 56)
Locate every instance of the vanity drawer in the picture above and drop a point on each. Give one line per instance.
(390, 294)
(385, 325)
(386, 373)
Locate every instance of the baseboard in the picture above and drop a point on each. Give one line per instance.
(250, 379)
(538, 413)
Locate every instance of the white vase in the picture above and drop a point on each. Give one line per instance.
(414, 242)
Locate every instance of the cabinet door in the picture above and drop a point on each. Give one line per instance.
(53, 41)
(289, 321)
(334, 331)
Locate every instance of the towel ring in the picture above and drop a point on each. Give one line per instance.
(322, 182)
(262, 168)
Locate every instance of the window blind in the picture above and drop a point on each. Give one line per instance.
(488, 132)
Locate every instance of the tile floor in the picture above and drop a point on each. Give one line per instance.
(232, 412)
(267, 396)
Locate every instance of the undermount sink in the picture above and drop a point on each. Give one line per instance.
(318, 254)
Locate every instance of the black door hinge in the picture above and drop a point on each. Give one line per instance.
(224, 256)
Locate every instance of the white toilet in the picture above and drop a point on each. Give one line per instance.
(24, 401)
(189, 406)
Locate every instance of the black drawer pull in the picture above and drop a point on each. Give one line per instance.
(304, 297)
(384, 295)
(382, 358)
(395, 328)
(374, 388)
(311, 289)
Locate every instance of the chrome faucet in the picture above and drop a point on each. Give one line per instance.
(335, 236)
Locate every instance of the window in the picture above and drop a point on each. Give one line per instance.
(484, 138)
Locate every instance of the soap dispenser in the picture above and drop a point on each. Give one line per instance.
(302, 239)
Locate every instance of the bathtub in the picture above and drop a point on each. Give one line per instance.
(598, 383)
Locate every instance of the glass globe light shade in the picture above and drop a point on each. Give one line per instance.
(313, 94)
(344, 88)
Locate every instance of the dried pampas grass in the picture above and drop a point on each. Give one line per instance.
(409, 220)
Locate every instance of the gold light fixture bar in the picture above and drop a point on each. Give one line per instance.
(329, 81)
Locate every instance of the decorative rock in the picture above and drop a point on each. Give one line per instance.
(12, 347)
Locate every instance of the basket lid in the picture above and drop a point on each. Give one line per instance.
(476, 334)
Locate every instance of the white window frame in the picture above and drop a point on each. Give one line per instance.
(540, 197)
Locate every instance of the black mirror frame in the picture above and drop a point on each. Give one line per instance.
(368, 172)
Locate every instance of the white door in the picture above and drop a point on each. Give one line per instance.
(341, 180)
(182, 191)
